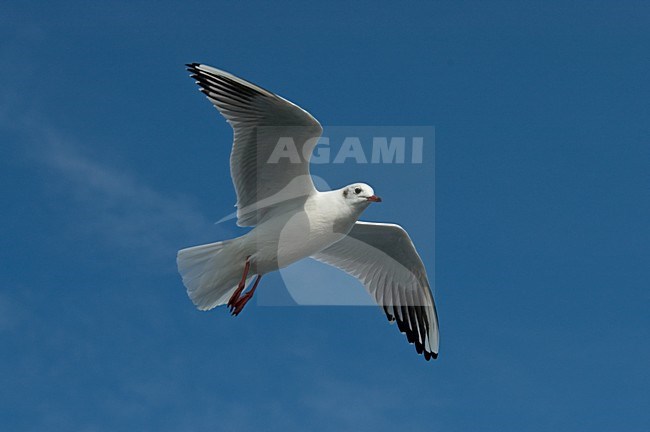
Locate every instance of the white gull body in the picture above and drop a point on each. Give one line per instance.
(293, 221)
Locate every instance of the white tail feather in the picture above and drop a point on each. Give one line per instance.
(211, 272)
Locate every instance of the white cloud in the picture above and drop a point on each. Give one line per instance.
(108, 203)
(11, 313)
(124, 210)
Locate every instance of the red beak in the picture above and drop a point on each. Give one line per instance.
(374, 198)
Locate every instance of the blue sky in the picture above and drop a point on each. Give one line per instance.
(111, 161)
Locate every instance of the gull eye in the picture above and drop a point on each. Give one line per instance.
(357, 190)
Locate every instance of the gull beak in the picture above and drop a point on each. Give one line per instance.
(374, 198)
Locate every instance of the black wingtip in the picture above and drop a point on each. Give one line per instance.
(192, 67)
(390, 316)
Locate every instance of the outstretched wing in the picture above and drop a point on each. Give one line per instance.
(384, 259)
(273, 142)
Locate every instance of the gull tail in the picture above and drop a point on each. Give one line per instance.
(212, 271)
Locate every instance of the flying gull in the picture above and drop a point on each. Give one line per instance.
(292, 220)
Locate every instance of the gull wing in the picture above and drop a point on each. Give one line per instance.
(264, 174)
(383, 257)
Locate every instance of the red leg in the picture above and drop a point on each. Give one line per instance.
(241, 302)
(242, 284)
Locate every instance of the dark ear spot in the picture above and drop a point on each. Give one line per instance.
(345, 193)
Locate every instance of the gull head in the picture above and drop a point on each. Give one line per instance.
(359, 194)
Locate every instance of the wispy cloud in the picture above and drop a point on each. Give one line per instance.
(11, 313)
(129, 212)
(110, 203)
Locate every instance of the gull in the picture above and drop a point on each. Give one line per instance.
(292, 220)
